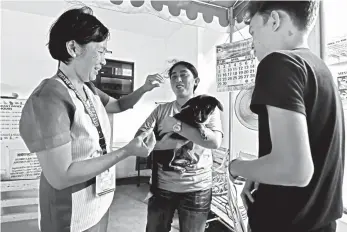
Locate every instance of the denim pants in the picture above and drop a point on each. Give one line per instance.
(192, 207)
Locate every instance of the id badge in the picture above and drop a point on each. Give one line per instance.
(106, 182)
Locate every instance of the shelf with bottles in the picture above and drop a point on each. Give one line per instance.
(117, 68)
(116, 78)
(105, 75)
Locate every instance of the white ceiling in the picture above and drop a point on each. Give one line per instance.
(154, 26)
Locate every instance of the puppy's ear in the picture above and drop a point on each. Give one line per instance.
(188, 103)
(219, 105)
(185, 105)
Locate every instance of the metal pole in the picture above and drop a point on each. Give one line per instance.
(239, 226)
(231, 103)
(322, 31)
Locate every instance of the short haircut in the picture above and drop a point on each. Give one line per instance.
(75, 24)
(303, 13)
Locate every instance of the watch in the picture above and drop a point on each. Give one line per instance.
(232, 177)
(177, 127)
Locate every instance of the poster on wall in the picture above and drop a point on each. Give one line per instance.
(11, 110)
(342, 86)
(17, 163)
(22, 165)
(236, 66)
(337, 51)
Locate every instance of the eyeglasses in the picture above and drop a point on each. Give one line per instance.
(105, 51)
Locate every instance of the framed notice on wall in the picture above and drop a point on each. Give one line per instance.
(337, 51)
(11, 110)
(17, 163)
(236, 65)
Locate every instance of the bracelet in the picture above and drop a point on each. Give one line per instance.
(232, 177)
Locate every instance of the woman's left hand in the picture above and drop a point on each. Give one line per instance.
(153, 81)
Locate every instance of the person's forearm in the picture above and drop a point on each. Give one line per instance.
(194, 135)
(81, 171)
(266, 170)
(130, 100)
(169, 144)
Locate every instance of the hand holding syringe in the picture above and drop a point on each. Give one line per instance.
(153, 81)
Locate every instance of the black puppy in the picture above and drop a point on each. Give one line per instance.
(195, 112)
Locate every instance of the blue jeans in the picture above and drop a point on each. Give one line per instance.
(192, 207)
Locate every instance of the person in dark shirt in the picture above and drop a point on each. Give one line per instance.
(296, 183)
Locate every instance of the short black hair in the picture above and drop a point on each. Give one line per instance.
(77, 24)
(303, 13)
(188, 66)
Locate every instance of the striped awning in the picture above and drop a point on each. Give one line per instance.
(210, 14)
(208, 9)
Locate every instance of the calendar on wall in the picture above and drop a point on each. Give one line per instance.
(236, 65)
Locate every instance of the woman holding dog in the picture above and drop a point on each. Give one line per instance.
(178, 183)
(65, 123)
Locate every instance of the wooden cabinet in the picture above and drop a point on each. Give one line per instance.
(116, 78)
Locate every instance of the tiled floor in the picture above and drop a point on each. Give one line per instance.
(128, 213)
(129, 210)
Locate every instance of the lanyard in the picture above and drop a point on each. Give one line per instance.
(89, 108)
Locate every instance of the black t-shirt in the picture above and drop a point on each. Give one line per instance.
(299, 81)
